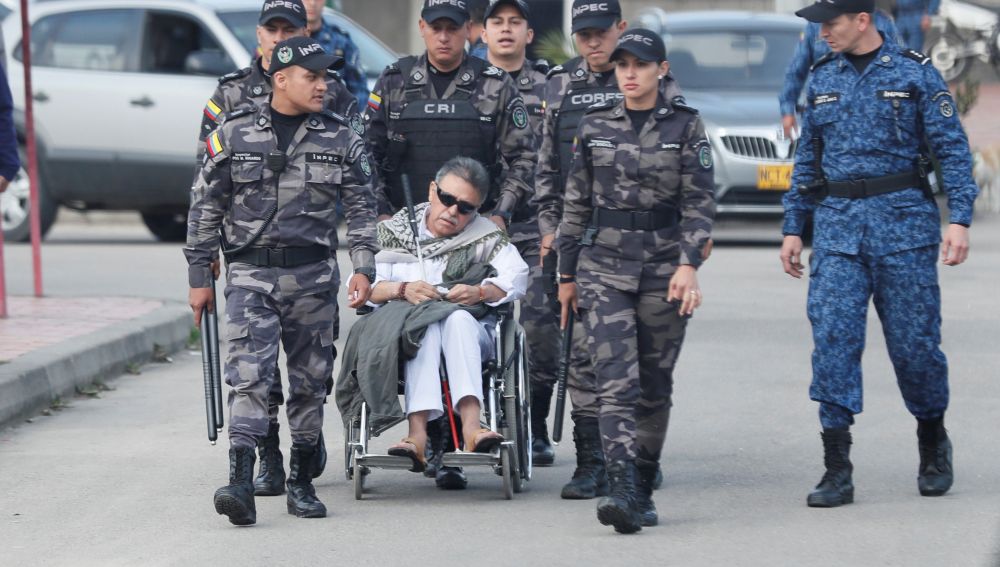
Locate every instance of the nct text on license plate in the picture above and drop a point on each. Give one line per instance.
(774, 177)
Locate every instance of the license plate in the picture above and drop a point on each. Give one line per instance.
(774, 177)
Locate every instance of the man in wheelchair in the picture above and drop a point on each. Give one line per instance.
(441, 307)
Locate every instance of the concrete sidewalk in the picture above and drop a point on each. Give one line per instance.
(51, 346)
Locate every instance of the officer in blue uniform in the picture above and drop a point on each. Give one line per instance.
(810, 48)
(913, 18)
(858, 168)
(336, 41)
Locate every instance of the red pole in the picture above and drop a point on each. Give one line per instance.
(29, 127)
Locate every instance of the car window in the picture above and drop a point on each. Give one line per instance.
(170, 38)
(730, 59)
(97, 40)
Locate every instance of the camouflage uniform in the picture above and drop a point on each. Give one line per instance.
(481, 115)
(539, 319)
(236, 191)
(662, 181)
(251, 87)
(881, 246)
(570, 90)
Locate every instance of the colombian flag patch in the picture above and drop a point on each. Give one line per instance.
(212, 111)
(374, 101)
(213, 145)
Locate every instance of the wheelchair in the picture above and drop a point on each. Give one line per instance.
(507, 409)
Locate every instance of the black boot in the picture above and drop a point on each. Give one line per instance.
(302, 501)
(236, 499)
(619, 509)
(270, 479)
(542, 453)
(645, 484)
(836, 487)
(319, 463)
(936, 474)
(589, 479)
(437, 441)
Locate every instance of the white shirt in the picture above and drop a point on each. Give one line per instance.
(512, 271)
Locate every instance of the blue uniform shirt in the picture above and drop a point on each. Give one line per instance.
(336, 41)
(873, 125)
(9, 161)
(930, 7)
(811, 47)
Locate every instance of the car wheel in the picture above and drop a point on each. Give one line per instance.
(15, 206)
(167, 227)
(944, 53)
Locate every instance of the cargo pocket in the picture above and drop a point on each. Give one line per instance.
(241, 350)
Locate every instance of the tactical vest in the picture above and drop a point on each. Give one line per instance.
(429, 132)
(579, 96)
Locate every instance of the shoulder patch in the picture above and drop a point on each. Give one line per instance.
(823, 60)
(235, 75)
(556, 70)
(542, 66)
(916, 56)
(679, 105)
(392, 69)
(492, 71)
(331, 114)
(242, 111)
(604, 105)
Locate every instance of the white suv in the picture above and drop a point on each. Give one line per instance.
(119, 88)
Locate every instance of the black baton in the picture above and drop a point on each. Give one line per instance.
(564, 362)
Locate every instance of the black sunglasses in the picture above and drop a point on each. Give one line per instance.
(449, 200)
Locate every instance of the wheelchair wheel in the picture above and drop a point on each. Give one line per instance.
(350, 437)
(508, 466)
(517, 416)
(359, 476)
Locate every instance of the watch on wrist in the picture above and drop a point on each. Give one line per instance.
(366, 272)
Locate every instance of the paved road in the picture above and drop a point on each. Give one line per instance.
(127, 479)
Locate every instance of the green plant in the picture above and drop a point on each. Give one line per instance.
(194, 339)
(554, 48)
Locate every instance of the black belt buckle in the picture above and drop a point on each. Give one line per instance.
(276, 257)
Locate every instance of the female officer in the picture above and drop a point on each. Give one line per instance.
(638, 212)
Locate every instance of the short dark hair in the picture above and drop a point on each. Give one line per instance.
(469, 170)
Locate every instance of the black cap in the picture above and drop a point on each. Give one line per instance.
(644, 44)
(455, 10)
(826, 10)
(291, 10)
(519, 5)
(305, 53)
(596, 14)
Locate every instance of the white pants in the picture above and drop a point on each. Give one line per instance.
(464, 342)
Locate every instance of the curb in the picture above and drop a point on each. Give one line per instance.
(31, 382)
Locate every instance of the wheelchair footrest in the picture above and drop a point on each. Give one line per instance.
(385, 462)
(463, 459)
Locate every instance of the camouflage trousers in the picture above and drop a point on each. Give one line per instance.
(634, 341)
(541, 329)
(256, 323)
(904, 288)
(276, 396)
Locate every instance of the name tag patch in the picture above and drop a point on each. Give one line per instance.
(826, 98)
(671, 147)
(247, 156)
(606, 144)
(895, 95)
(332, 159)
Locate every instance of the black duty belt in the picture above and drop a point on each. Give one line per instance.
(634, 220)
(281, 257)
(861, 188)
